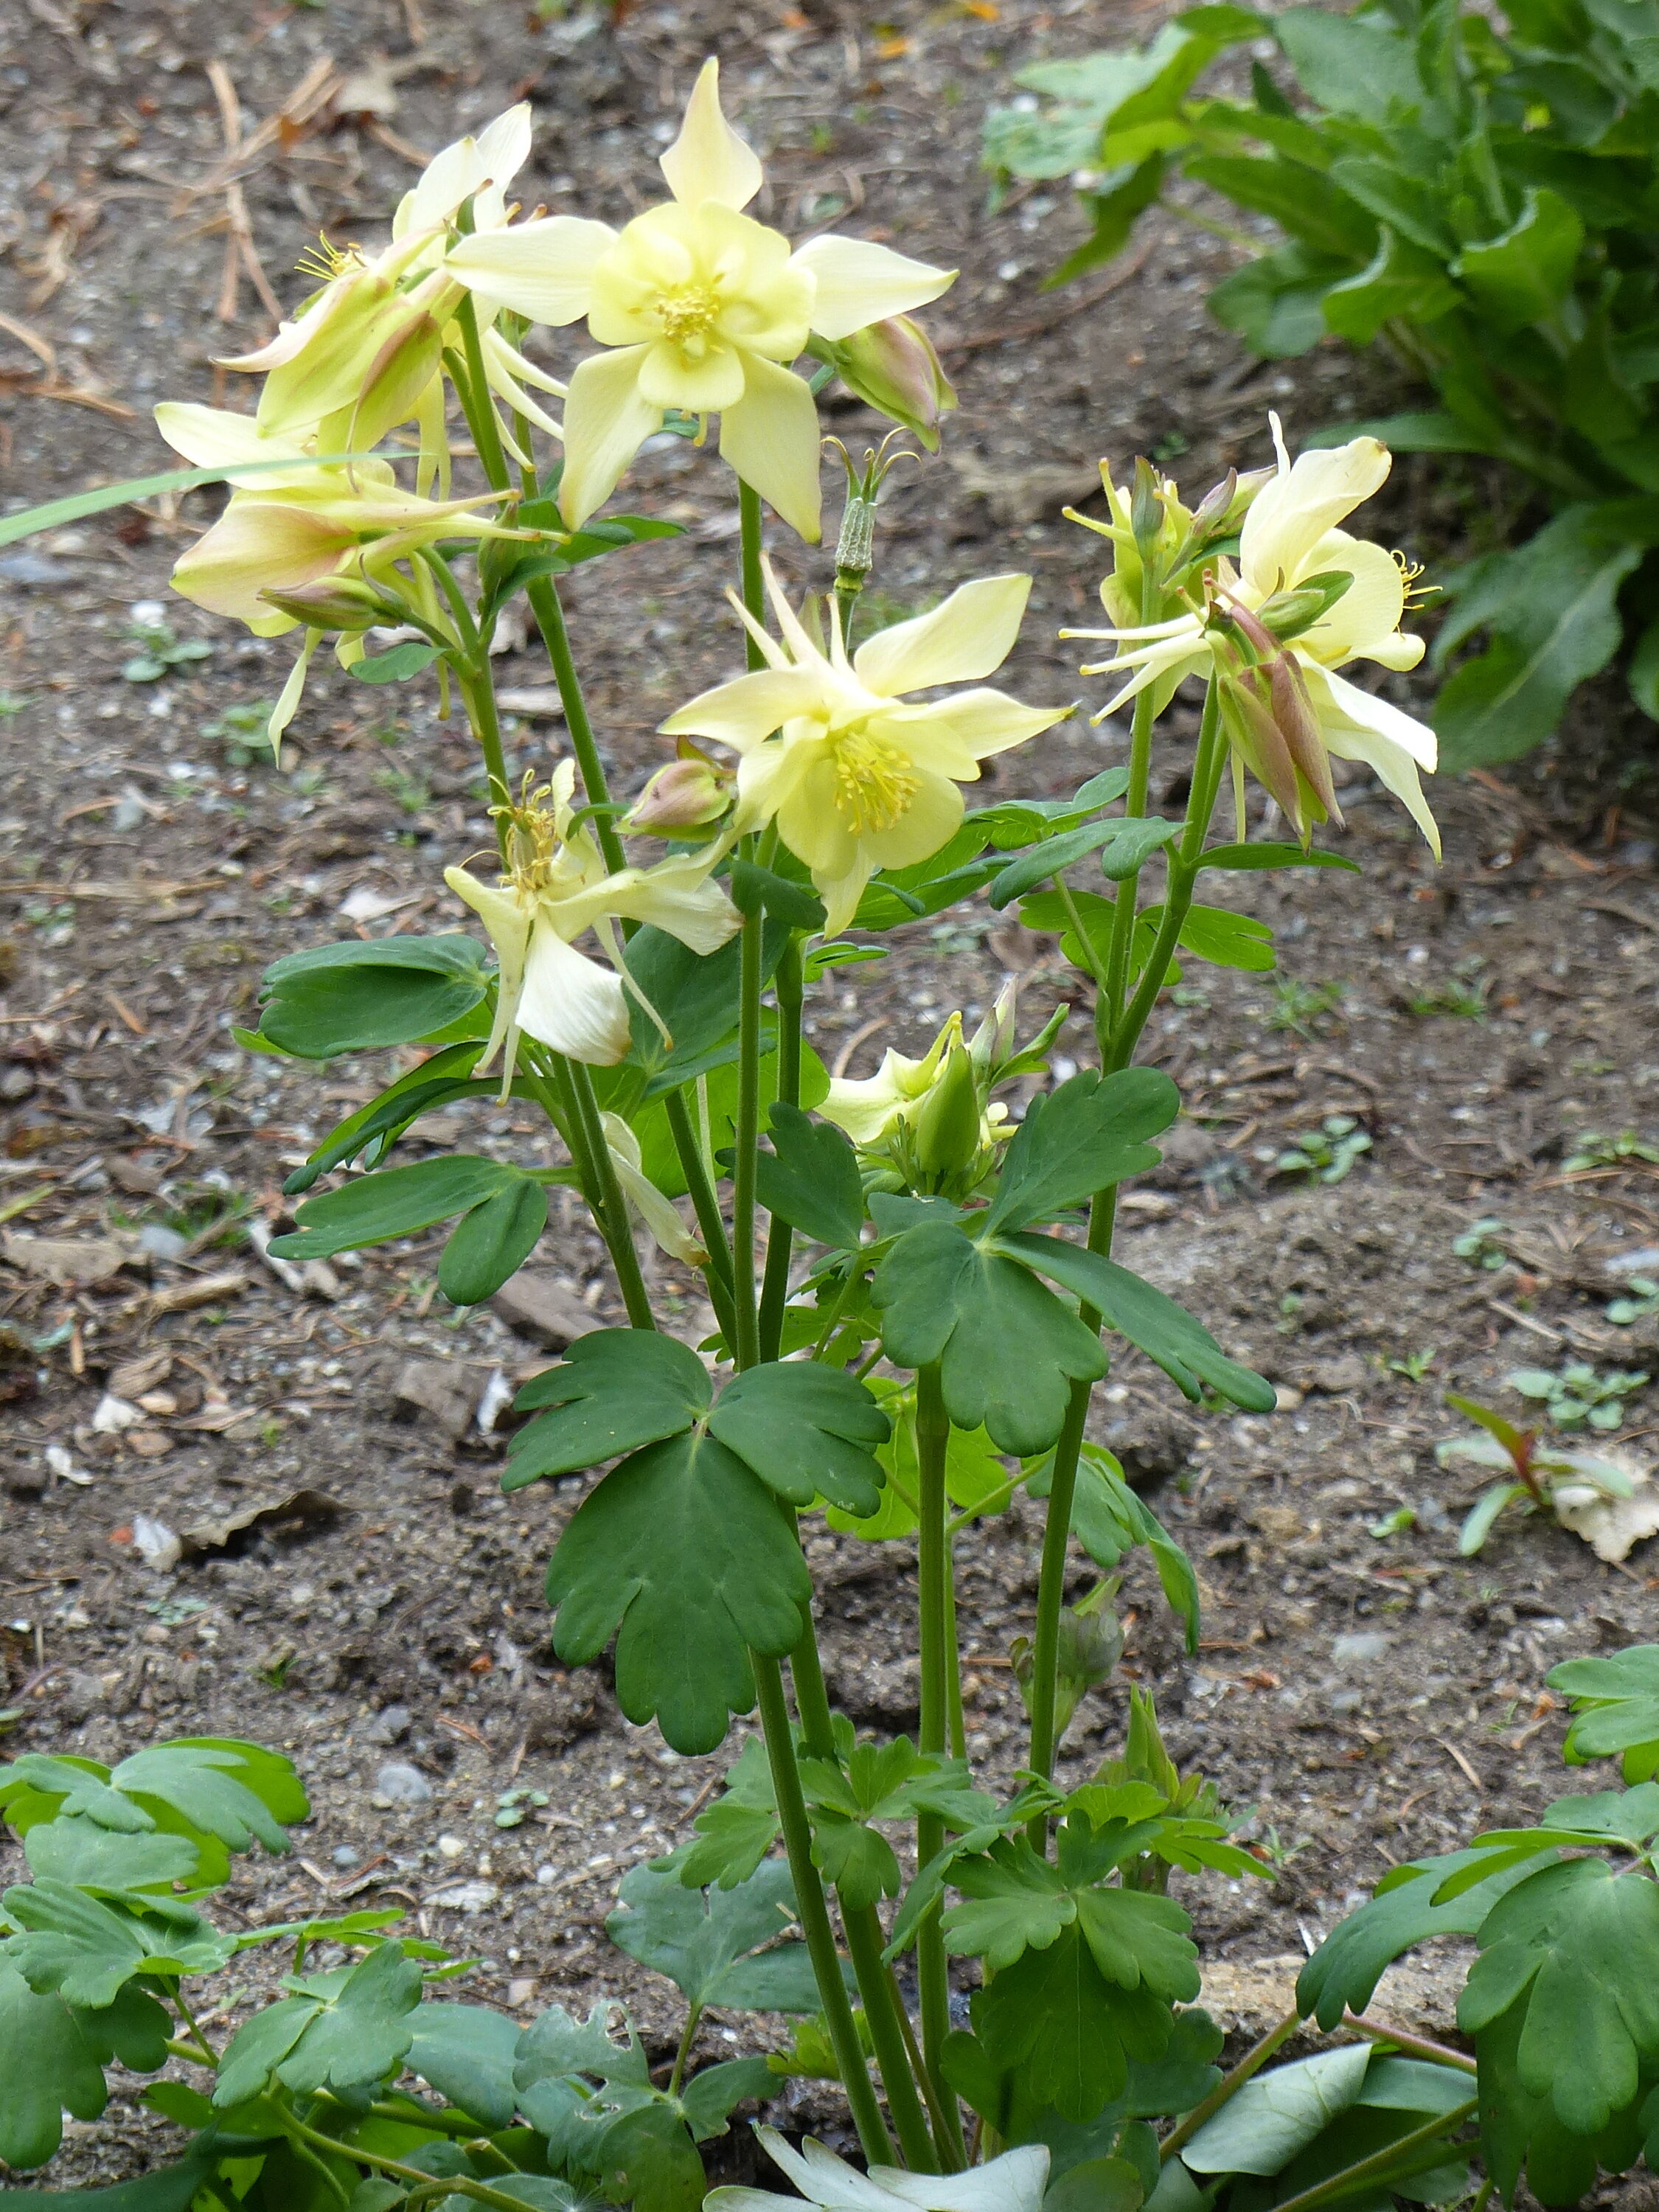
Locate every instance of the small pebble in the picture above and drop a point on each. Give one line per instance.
(345, 1856)
(162, 1242)
(1360, 1651)
(389, 1725)
(397, 1782)
(451, 1847)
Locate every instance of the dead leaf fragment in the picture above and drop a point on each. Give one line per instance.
(205, 1291)
(1610, 1526)
(69, 1261)
(302, 1508)
(134, 1378)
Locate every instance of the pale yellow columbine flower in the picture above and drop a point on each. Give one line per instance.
(365, 353)
(703, 306)
(327, 534)
(644, 1200)
(855, 777)
(1290, 535)
(557, 887)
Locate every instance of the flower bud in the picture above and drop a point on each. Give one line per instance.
(1287, 614)
(993, 1040)
(946, 1132)
(688, 794)
(341, 603)
(892, 365)
(1292, 710)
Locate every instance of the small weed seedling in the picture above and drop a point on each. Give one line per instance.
(1415, 1364)
(1462, 994)
(1531, 1474)
(159, 653)
(242, 730)
(1326, 1154)
(1593, 1150)
(1479, 1244)
(1300, 1007)
(1577, 1394)
(1641, 1300)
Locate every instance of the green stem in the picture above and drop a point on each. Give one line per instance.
(1230, 2085)
(1183, 870)
(955, 1715)
(299, 2134)
(694, 2015)
(480, 415)
(612, 1207)
(1380, 2162)
(479, 697)
(1109, 1005)
(941, 2111)
(748, 1141)
(853, 1275)
(864, 1946)
(754, 582)
(933, 1576)
(814, 1912)
(702, 1195)
(1056, 1539)
(1417, 2046)
(319, 2167)
(779, 1238)
(543, 593)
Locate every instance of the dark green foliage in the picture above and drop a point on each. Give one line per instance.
(359, 996)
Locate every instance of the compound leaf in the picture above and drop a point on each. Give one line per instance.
(467, 2053)
(493, 1242)
(1343, 1973)
(1166, 1332)
(1007, 1347)
(393, 1202)
(684, 1556)
(807, 1431)
(613, 1391)
(707, 2098)
(1617, 1700)
(721, 1947)
(1090, 1131)
(1579, 1943)
(360, 997)
(810, 1179)
(364, 2025)
(1072, 2033)
(55, 2058)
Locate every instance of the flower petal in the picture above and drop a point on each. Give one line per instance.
(709, 160)
(210, 437)
(668, 378)
(1015, 2182)
(1368, 612)
(1294, 509)
(932, 819)
(771, 439)
(571, 1003)
(1358, 725)
(508, 926)
(969, 635)
(768, 778)
(256, 543)
(680, 896)
(951, 735)
(860, 282)
(544, 269)
(658, 1213)
(605, 423)
(746, 712)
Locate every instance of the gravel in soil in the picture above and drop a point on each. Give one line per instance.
(351, 1587)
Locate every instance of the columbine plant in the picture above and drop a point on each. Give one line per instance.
(915, 1295)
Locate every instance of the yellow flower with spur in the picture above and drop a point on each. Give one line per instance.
(556, 887)
(700, 307)
(1305, 599)
(856, 777)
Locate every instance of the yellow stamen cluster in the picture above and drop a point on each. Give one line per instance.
(874, 781)
(325, 261)
(687, 316)
(533, 842)
(1409, 572)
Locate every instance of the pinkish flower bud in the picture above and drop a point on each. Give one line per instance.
(893, 366)
(688, 794)
(341, 603)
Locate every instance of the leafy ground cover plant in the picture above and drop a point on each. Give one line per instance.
(915, 1295)
(1470, 190)
(1537, 1476)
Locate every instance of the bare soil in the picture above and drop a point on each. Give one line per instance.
(150, 867)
